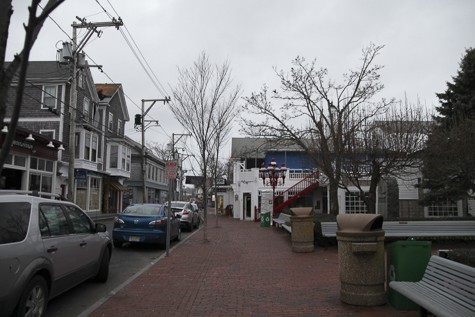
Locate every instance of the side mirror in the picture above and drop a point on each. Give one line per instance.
(100, 227)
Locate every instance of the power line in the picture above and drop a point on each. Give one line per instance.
(156, 82)
(159, 86)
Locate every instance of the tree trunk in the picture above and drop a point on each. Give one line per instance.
(334, 206)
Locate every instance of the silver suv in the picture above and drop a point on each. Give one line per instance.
(189, 217)
(46, 247)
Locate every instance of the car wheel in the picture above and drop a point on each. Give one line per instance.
(103, 273)
(117, 244)
(34, 299)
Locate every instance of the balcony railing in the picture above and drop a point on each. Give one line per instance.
(306, 185)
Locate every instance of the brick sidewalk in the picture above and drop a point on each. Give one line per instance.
(244, 270)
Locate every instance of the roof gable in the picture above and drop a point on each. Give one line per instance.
(108, 92)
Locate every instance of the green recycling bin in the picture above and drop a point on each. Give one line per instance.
(407, 261)
(265, 219)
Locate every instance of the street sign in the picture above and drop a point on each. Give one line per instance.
(171, 169)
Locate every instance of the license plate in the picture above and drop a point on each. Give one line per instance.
(134, 239)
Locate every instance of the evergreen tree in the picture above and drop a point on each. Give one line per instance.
(449, 158)
(457, 103)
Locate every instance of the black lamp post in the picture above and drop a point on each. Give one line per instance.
(272, 175)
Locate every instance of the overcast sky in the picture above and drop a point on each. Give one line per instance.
(424, 43)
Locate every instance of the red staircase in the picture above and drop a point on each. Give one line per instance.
(293, 193)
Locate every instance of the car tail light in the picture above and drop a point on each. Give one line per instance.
(186, 211)
(157, 222)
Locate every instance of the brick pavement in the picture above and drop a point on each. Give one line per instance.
(242, 270)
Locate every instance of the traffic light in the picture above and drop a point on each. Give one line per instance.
(138, 119)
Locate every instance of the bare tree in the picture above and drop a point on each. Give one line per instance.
(222, 120)
(388, 145)
(314, 113)
(162, 151)
(19, 64)
(202, 94)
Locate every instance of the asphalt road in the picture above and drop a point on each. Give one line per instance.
(125, 263)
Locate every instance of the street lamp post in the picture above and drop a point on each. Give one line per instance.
(273, 176)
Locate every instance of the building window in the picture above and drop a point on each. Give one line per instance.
(48, 133)
(110, 125)
(86, 108)
(49, 97)
(87, 146)
(16, 160)
(124, 157)
(114, 156)
(76, 144)
(95, 115)
(95, 193)
(128, 160)
(80, 80)
(119, 127)
(90, 147)
(41, 182)
(354, 204)
(81, 193)
(94, 148)
(444, 208)
(41, 164)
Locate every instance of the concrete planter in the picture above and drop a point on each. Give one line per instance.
(302, 230)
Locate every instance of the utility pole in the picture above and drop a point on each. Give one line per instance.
(171, 187)
(142, 123)
(91, 29)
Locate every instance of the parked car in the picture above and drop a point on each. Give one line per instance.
(197, 210)
(46, 247)
(144, 223)
(189, 217)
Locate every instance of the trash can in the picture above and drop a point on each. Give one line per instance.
(302, 230)
(361, 259)
(265, 219)
(407, 261)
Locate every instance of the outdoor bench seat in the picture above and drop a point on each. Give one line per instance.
(282, 221)
(407, 229)
(447, 289)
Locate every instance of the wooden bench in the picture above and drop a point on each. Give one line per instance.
(446, 289)
(282, 221)
(407, 229)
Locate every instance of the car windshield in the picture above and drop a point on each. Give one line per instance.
(178, 205)
(143, 210)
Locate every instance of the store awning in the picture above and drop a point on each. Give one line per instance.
(118, 186)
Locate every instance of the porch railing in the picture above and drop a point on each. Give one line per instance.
(293, 193)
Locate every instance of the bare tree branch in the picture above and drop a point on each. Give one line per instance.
(19, 63)
(204, 103)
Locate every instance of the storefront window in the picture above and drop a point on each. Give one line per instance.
(40, 182)
(35, 182)
(20, 161)
(34, 163)
(81, 193)
(49, 166)
(95, 193)
(46, 183)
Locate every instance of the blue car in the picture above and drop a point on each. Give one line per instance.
(144, 223)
